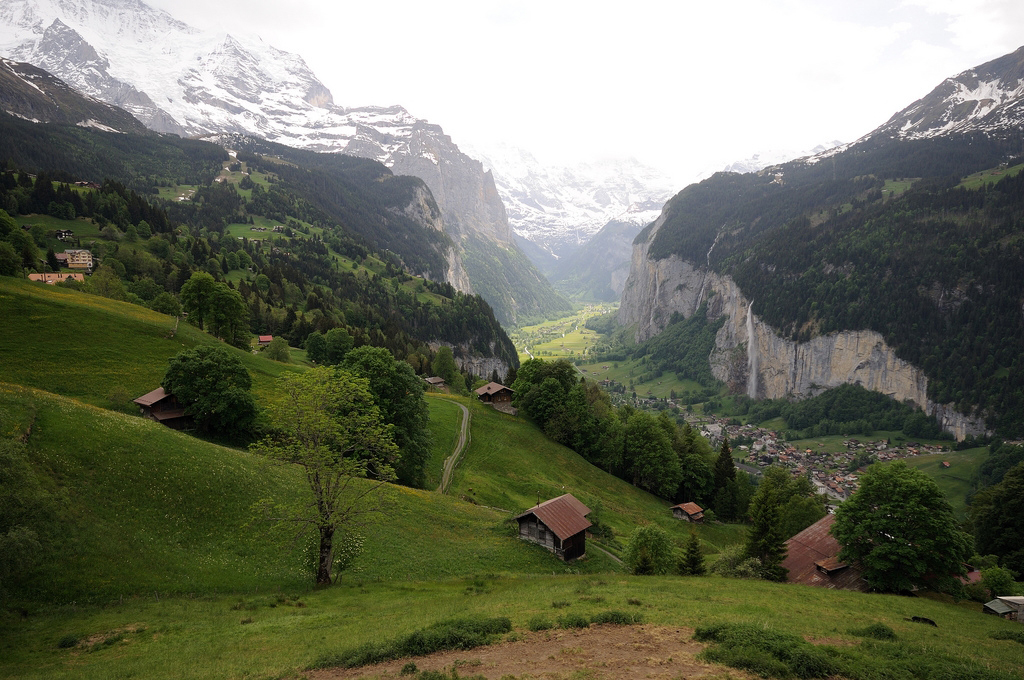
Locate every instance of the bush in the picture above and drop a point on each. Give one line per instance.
(617, 617)
(539, 623)
(68, 641)
(734, 563)
(769, 653)
(573, 621)
(876, 631)
(649, 551)
(441, 636)
(1015, 635)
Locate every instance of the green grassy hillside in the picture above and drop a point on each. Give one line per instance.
(510, 464)
(99, 351)
(148, 509)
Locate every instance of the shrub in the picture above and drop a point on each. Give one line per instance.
(617, 617)
(573, 621)
(877, 631)
(441, 636)
(649, 551)
(408, 669)
(68, 641)
(768, 652)
(1015, 635)
(539, 623)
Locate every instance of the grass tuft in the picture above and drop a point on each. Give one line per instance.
(451, 634)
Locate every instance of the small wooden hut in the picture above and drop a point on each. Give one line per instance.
(559, 524)
(165, 408)
(691, 512)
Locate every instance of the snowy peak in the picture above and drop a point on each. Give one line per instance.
(988, 98)
(560, 208)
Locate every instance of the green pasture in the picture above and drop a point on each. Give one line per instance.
(99, 351)
(954, 481)
(895, 187)
(991, 176)
(445, 422)
(280, 633)
(631, 370)
(510, 464)
(564, 338)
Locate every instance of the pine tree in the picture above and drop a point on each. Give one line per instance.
(692, 563)
(725, 484)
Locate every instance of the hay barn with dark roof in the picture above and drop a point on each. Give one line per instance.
(559, 524)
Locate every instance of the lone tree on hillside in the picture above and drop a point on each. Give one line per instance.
(213, 386)
(649, 551)
(902, 531)
(328, 425)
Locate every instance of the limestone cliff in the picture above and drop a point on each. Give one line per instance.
(781, 368)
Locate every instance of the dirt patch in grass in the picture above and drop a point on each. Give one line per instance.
(605, 651)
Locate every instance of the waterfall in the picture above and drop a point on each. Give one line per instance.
(704, 280)
(751, 354)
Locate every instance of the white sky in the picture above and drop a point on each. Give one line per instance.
(682, 85)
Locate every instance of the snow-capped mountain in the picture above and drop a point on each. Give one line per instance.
(561, 208)
(988, 98)
(766, 159)
(178, 79)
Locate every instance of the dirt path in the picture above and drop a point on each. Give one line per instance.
(451, 461)
(598, 652)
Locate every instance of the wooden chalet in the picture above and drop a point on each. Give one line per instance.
(165, 408)
(1007, 607)
(813, 560)
(264, 340)
(435, 382)
(497, 395)
(559, 524)
(691, 512)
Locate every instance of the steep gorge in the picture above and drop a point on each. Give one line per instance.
(656, 289)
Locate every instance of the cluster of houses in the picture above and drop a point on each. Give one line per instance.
(278, 228)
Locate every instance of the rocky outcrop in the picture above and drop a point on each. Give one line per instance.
(657, 289)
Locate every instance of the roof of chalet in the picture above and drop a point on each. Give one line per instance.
(435, 380)
(689, 508)
(493, 388)
(813, 559)
(266, 338)
(151, 398)
(565, 515)
(997, 606)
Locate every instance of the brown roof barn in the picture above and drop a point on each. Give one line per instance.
(691, 512)
(559, 524)
(165, 408)
(813, 559)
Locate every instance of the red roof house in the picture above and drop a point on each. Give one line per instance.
(559, 524)
(813, 559)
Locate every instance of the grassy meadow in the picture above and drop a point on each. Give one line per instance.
(99, 351)
(165, 570)
(279, 634)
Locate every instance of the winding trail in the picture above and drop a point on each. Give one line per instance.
(451, 461)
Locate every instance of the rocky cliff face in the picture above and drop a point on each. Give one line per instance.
(781, 368)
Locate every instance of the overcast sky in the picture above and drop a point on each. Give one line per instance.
(682, 85)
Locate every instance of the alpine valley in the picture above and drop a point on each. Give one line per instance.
(894, 262)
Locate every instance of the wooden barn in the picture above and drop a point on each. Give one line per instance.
(165, 408)
(813, 559)
(559, 524)
(691, 512)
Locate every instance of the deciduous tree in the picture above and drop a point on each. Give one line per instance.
(902, 531)
(213, 386)
(649, 551)
(329, 426)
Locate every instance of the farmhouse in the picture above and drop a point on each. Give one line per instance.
(1007, 606)
(691, 512)
(165, 408)
(56, 277)
(265, 340)
(559, 524)
(64, 234)
(498, 396)
(435, 382)
(813, 559)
